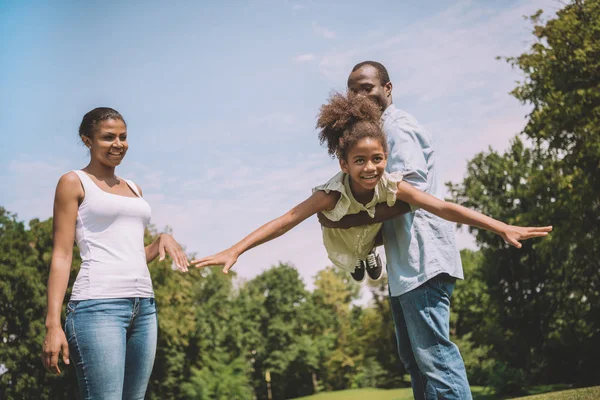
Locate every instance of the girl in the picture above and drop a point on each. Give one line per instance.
(111, 324)
(350, 126)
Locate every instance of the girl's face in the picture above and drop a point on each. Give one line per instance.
(108, 144)
(365, 162)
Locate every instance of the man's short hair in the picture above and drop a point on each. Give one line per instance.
(382, 73)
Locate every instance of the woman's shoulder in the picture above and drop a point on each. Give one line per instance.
(69, 180)
(69, 184)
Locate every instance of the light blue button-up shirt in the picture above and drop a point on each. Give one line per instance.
(418, 245)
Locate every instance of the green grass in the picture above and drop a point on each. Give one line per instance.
(479, 393)
(591, 393)
(362, 394)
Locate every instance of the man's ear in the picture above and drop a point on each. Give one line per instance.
(388, 89)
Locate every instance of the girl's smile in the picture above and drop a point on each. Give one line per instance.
(365, 163)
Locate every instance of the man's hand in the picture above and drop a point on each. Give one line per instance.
(382, 213)
(327, 223)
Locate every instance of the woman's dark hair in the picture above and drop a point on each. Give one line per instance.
(91, 120)
(346, 119)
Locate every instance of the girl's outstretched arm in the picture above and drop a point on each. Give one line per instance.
(457, 213)
(319, 201)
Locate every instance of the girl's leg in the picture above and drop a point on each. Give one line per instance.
(141, 349)
(96, 331)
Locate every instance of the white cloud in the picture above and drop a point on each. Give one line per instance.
(305, 57)
(323, 31)
(444, 70)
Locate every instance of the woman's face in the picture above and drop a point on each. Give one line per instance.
(108, 144)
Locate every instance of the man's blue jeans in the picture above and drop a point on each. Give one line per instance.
(422, 320)
(112, 344)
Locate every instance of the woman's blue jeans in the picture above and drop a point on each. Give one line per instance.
(112, 344)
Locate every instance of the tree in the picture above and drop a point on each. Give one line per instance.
(547, 294)
(279, 299)
(24, 264)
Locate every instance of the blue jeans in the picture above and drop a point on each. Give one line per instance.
(112, 343)
(422, 320)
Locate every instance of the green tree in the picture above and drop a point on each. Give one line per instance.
(24, 264)
(279, 297)
(545, 297)
(380, 334)
(334, 292)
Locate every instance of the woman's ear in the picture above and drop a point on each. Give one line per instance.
(86, 141)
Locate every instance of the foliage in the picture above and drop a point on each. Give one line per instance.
(544, 299)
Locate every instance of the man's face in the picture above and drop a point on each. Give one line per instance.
(365, 82)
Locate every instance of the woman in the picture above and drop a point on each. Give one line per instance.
(111, 324)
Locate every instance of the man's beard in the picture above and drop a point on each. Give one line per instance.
(380, 101)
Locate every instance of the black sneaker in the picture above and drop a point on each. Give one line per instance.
(374, 266)
(359, 271)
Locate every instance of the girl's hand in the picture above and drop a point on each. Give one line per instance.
(168, 245)
(55, 343)
(513, 234)
(226, 258)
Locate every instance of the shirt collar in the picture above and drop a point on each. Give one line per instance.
(388, 111)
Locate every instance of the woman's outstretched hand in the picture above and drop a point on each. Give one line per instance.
(514, 234)
(168, 245)
(226, 258)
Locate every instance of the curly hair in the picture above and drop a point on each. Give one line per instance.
(346, 119)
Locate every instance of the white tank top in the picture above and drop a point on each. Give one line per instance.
(110, 236)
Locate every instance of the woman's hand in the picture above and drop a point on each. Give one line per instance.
(55, 343)
(168, 245)
(513, 234)
(226, 258)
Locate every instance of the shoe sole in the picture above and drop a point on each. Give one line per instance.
(376, 279)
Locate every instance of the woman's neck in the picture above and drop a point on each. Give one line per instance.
(100, 171)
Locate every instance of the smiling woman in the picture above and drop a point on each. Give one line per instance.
(111, 322)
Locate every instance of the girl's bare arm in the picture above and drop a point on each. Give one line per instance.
(457, 213)
(319, 201)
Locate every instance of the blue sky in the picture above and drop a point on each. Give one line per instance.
(221, 97)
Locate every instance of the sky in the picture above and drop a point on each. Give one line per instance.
(221, 98)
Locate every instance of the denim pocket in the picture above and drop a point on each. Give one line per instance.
(71, 305)
(445, 283)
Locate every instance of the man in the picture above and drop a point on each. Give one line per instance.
(423, 262)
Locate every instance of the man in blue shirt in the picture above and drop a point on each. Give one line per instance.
(423, 262)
